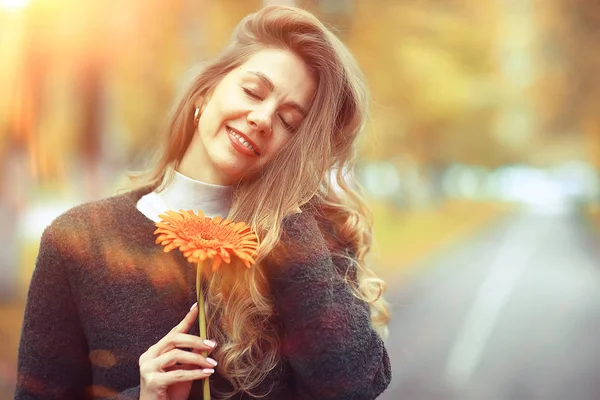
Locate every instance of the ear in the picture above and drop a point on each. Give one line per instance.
(202, 101)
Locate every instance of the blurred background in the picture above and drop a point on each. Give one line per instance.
(480, 162)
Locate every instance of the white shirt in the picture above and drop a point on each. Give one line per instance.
(184, 193)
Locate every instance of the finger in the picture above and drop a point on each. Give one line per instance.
(166, 343)
(190, 366)
(180, 375)
(171, 358)
(188, 321)
(182, 341)
(181, 366)
(183, 375)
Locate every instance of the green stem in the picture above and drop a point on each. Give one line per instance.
(202, 323)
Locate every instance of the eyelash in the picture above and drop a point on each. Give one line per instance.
(287, 126)
(253, 95)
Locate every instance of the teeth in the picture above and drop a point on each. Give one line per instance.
(241, 140)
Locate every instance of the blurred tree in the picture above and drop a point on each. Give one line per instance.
(568, 94)
(432, 79)
(98, 78)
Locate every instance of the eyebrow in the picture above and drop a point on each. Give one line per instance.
(271, 86)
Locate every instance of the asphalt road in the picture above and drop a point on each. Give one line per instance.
(512, 314)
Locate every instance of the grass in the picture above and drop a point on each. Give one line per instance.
(403, 238)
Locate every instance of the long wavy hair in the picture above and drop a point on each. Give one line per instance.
(314, 166)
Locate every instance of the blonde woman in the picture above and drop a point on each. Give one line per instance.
(255, 138)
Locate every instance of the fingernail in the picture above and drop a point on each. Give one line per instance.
(210, 343)
(208, 371)
(211, 361)
(194, 306)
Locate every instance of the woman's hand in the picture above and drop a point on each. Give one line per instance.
(167, 371)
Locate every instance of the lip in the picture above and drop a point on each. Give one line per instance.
(241, 147)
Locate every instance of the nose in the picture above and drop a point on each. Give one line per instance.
(260, 121)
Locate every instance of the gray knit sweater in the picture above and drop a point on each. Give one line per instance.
(103, 292)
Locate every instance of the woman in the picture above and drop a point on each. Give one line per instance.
(255, 138)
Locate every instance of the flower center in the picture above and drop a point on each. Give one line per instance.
(209, 234)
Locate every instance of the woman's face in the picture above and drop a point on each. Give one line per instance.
(251, 114)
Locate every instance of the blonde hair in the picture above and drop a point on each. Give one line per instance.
(314, 166)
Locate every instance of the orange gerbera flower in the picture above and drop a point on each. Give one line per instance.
(199, 238)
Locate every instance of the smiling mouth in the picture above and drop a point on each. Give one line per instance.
(242, 141)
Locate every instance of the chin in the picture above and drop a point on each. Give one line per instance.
(230, 172)
(235, 167)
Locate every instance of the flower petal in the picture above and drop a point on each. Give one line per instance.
(175, 215)
(199, 238)
(225, 256)
(240, 226)
(200, 254)
(187, 214)
(247, 243)
(169, 248)
(211, 253)
(192, 260)
(163, 217)
(243, 256)
(216, 263)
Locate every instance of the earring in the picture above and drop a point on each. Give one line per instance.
(196, 116)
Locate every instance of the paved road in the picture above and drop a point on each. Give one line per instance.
(514, 314)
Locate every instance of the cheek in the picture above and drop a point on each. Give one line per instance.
(277, 144)
(231, 104)
(210, 120)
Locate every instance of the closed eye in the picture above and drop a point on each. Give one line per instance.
(289, 127)
(251, 94)
(286, 125)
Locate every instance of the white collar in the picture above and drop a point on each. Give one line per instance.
(183, 193)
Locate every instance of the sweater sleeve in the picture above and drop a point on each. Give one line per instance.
(327, 336)
(53, 360)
